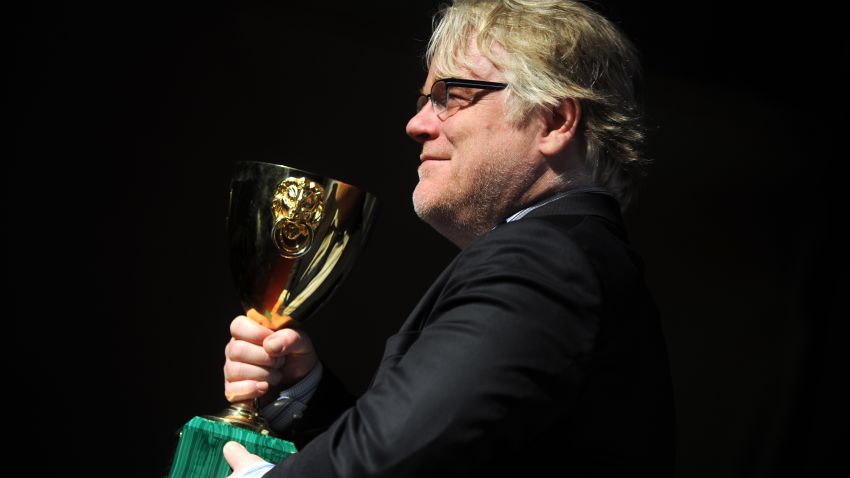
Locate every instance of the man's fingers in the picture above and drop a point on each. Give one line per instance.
(244, 390)
(238, 457)
(238, 371)
(246, 352)
(243, 328)
(288, 342)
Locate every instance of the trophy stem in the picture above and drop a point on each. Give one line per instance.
(243, 414)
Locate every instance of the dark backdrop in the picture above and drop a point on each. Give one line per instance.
(128, 117)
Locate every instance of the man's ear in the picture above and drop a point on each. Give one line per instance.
(561, 125)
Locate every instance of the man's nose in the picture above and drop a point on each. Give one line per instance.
(424, 125)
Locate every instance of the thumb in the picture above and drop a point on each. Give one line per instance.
(238, 457)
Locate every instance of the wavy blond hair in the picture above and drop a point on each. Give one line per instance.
(551, 50)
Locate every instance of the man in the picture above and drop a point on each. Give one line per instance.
(538, 350)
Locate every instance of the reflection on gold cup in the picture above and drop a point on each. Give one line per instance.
(293, 236)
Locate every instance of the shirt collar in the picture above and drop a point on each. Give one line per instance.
(569, 192)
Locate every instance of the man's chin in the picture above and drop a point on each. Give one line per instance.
(425, 206)
(420, 207)
(440, 217)
(420, 199)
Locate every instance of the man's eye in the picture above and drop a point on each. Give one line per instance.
(460, 96)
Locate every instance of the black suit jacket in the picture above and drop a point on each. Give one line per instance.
(537, 352)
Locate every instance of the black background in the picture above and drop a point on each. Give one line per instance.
(127, 120)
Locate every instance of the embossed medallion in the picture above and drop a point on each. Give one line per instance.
(298, 207)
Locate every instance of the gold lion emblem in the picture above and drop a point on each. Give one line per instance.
(298, 207)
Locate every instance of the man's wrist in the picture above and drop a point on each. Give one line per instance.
(291, 403)
(306, 387)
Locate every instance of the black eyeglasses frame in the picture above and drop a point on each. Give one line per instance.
(440, 109)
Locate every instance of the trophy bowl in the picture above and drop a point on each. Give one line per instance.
(293, 237)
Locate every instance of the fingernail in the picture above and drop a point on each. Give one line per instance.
(232, 445)
(262, 387)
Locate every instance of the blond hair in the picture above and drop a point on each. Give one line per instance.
(551, 50)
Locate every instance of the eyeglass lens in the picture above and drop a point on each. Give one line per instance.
(438, 98)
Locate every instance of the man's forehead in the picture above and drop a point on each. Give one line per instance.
(472, 65)
(492, 74)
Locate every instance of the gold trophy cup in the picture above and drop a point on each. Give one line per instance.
(294, 236)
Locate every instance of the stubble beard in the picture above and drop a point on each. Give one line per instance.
(464, 213)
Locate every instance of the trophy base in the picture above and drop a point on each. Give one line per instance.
(243, 416)
(199, 450)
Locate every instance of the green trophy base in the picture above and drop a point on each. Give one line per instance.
(201, 440)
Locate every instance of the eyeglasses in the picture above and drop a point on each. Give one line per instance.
(450, 94)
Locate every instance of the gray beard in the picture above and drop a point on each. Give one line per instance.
(461, 219)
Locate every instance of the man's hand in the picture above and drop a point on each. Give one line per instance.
(242, 461)
(258, 359)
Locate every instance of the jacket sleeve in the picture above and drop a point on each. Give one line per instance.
(330, 399)
(499, 358)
